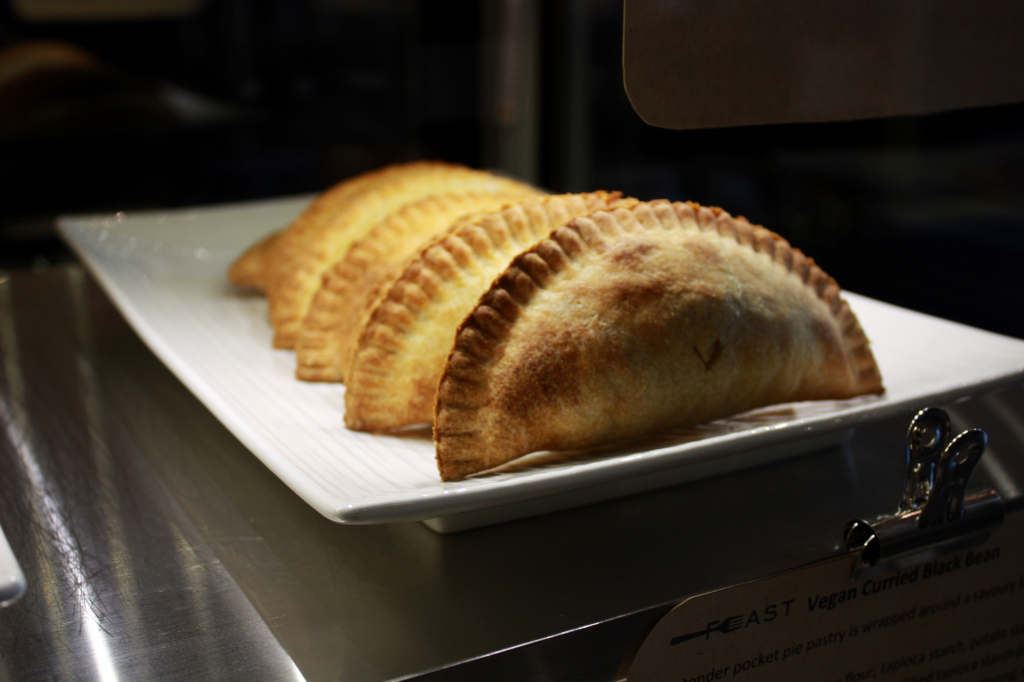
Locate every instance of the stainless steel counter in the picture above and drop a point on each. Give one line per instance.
(157, 547)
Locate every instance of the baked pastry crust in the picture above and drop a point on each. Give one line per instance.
(300, 234)
(250, 269)
(322, 234)
(331, 327)
(638, 320)
(405, 339)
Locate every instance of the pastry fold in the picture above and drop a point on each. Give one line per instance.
(406, 337)
(641, 319)
(344, 214)
(330, 328)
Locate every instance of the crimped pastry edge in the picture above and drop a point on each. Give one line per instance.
(301, 261)
(299, 236)
(341, 303)
(396, 309)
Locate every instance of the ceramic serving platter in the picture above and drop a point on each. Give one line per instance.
(165, 271)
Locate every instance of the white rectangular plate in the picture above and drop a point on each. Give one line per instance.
(166, 273)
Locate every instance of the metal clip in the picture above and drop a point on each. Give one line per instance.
(936, 515)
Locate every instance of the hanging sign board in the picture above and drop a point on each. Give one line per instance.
(716, 63)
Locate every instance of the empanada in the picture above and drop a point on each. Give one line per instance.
(407, 336)
(638, 320)
(330, 329)
(322, 234)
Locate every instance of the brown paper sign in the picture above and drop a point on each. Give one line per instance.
(715, 63)
(959, 617)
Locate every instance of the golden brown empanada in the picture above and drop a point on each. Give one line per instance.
(250, 269)
(406, 338)
(637, 320)
(322, 235)
(330, 329)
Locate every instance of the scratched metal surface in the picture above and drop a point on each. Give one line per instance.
(156, 546)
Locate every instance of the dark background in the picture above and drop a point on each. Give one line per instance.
(925, 212)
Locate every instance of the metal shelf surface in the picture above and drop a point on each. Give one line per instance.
(155, 545)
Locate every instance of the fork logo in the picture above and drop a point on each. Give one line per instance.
(724, 626)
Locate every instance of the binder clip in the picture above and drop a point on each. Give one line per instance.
(937, 514)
